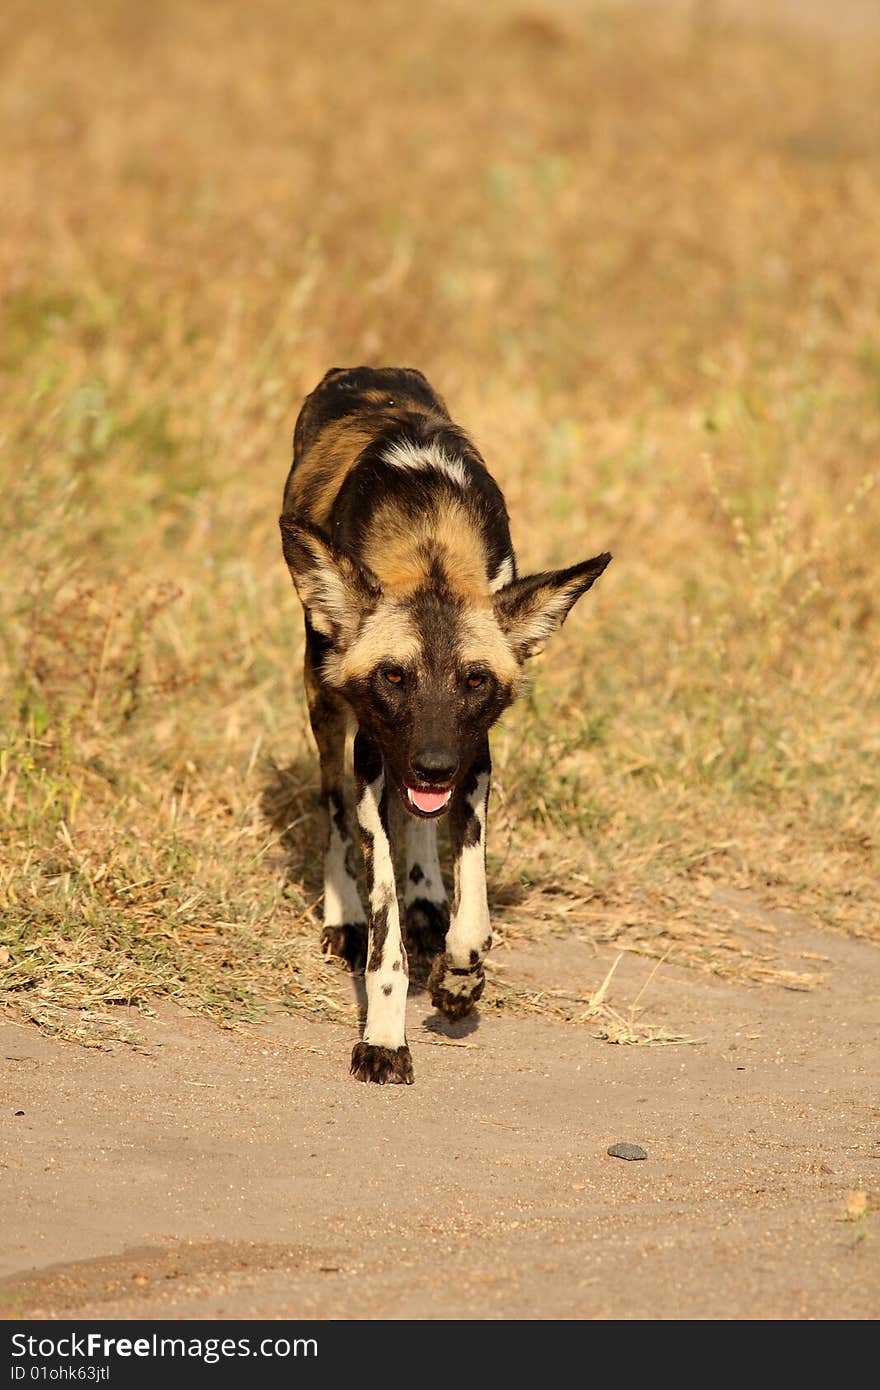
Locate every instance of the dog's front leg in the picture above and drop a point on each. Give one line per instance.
(457, 978)
(427, 911)
(345, 926)
(383, 1055)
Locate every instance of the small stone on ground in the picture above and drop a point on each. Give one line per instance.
(630, 1151)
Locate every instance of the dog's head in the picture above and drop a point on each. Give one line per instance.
(426, 668)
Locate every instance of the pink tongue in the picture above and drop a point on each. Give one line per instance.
(428, 801)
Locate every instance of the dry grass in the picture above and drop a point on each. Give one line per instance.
(638, 257)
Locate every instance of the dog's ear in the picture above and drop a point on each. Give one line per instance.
(336, 592)
(530, 609)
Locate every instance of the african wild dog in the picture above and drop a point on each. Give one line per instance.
(417, 629)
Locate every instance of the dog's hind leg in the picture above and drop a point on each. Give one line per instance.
(457, 977)
(427, 910)
(383, 1055)
(345, 923)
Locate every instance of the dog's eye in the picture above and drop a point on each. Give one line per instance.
(475, 680)
(393, 675)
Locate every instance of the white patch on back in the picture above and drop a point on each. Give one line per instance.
(404, 454)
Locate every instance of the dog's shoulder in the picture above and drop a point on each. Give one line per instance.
(350, 409)
(386, 474)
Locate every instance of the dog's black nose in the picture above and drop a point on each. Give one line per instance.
(434, 765)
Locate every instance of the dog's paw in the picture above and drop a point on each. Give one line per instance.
(348, 942)
(426, 926)
(454, 991)
(384, 1065)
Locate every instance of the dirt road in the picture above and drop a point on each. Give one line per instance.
(213, 1175)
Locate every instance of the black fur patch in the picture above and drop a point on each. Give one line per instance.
(367, 852)
(383, 1065)
(348, 942)
(339, 817)
(386, 896)
(378, 936)
(479, 767)
(336, 807)
(426, 926)
(472, 832)
(467, 829)
(383, 809)
(318, 646)
(367, 758)
(415, 874)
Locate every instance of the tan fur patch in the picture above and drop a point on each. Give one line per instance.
(400, 551)
(315, 482)
(387, 635)
(481, 641)
(324, 469)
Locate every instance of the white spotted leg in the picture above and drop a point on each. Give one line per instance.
(345, 925)
(382, 1055)
(427, 909)
(457, 977)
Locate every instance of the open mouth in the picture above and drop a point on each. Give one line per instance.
(429, 803)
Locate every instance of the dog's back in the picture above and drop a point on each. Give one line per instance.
(380, 469)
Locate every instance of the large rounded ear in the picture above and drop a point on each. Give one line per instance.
(530, 609)
(336, 592)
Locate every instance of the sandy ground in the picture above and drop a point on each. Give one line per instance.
(213, 1175)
